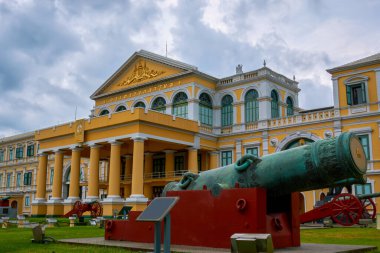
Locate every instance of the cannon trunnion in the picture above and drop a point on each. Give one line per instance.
(251, 196)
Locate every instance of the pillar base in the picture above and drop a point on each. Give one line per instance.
(39, 207)
(138, 202)
(113, 199)
(110, 207)
(91, 198)
(55, 207)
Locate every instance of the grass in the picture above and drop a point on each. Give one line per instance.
(15, 239)
(18, 240)
(348, 236)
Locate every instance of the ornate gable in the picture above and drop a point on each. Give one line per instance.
(140, 68)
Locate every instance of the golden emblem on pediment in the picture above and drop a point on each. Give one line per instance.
(141, 73)
(79, 130)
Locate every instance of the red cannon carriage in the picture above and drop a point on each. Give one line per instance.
(79, 208)
(344, 209)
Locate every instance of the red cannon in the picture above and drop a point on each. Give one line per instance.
(344, 209)
(79, 208)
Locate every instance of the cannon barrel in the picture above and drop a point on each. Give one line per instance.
(322, 164)
(370, 195)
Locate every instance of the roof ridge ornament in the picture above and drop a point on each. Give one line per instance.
(140, 73)
(265, 64)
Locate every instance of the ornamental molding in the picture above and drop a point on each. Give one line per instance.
(141, 73)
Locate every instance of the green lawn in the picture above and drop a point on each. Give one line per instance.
(352, 236)
(18, 240)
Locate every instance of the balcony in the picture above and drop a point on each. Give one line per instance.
(19, 161)
(299, 119)
(18, 189)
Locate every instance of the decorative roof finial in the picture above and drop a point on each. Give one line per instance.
(294, 77)
(265, 64)
(239, 69)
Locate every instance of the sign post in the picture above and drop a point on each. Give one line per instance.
(158, 210)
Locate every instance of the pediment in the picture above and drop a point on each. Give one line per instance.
(139, 70)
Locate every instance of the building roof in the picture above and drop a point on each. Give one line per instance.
(373, 59)
(155, 57)
(17, 137)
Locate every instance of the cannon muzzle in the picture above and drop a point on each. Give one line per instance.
(322, 164)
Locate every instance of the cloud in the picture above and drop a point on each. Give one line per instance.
(55, 54)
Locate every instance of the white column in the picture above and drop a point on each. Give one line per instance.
(377, 85)
(335, 92)
(193, 106)
(238, 149)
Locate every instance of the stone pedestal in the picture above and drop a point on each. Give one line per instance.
(72, 221)
(20, 221)
(5, 222)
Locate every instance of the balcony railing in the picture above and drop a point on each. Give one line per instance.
(272, 123)
(18, 189)
(17, 161)
(163, 174)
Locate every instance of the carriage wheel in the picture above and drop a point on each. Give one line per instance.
(96, 210)
(369, 208)
(346, 209)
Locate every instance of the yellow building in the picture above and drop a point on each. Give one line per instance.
(156, 118)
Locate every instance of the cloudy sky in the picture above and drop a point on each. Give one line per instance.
(55, 54)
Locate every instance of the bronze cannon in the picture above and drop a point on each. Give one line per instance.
(322, 164)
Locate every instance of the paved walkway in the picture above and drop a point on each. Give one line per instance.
(305, 248)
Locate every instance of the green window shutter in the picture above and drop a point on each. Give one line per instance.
(349, 95)
(363, 93)
(25, 178)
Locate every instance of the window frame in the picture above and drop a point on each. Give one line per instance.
(2, 155)
(28, 178)
(225, 155)
(357, 81)
(27, 201)
(159, 107)
(275, 104)
(367, 147)
(179, 165)
(227, 111)
(18, 179)
(140, 104)
(180, 107)
(121, 108)
(289, 109)
(10, 154)
(251, 106)
(104, 112)
(9, 179)
(158, 167)
(30, 150)
(19, 152)
(252, 148)
(205, 109)
(363, 188)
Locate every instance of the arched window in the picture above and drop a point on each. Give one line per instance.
(227, 111)
(274, 105)
(205, 109)
(251, 106)
(104, 112)
(180, 105)
(140, 105)
(121, 108)
(159, 105)
(289, 108)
